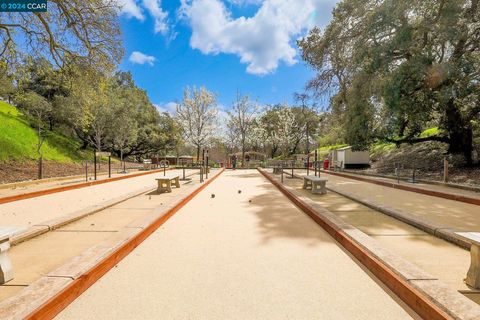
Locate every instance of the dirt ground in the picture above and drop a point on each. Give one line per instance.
(426, 159)
(13, 171)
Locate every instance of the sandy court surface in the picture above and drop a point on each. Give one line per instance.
(41, 255)
(434, 187)
(454, 214)
(26, 213)
(12, 189)
(441, 259)
(248, 255)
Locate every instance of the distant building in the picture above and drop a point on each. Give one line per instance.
(252, 158)
(172, 160)
(346, 158)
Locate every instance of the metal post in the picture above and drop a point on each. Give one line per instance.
(281, 169)
(308, 163)
(40, 168)
(183, 166)
(95, 163)
(165, 162)
(316, 161)
(109, 166)
(397, 171)
(86, 170)
(206, 169)
(413, 173)
(445, 170)
(293, 165)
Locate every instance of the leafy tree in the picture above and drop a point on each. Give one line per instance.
(37, 109)
(6, 81)
(310, 119)
(40, 76)
(408, 62)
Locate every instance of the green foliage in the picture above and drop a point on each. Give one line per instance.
(430, 132)
(18, 140)
(331, 147)
(380, 148)
(395, 68)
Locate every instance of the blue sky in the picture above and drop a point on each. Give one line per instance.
(224, 45)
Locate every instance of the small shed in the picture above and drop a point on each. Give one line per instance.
(346, 158)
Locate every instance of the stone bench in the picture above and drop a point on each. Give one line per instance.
(6, 269)
(316, 184)
(473, 274)
(165, 183)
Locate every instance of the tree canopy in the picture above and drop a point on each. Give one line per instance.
(394, 67)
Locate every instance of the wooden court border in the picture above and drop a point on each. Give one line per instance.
(40, 193)
(438, 194)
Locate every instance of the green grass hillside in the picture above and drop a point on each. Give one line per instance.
(18, 140)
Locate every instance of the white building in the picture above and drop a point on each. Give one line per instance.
(346, 158)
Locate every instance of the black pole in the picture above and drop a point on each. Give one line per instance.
(109, 166)
(293, 165)
(413, 174)
(86, 170)
(316, 161)
(183, 166)
(165, 163)
(95, 163)
(40, 168)
(281, 169)
(308, 163)
(206, 168)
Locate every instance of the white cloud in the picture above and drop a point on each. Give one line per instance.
(245, 2)
(169, 107)
(160, 16)
(140, 58)
(130, 9)
(261, 41)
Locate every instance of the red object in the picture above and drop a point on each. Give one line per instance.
(326, 163)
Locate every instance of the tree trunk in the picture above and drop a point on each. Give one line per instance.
(198, 153)
(461, 133)
(243, 152)
(121, 159)
(40, 168)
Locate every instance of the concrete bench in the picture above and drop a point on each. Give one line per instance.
(165, 183)
(473, 275)
(6, 269)
(316, 184)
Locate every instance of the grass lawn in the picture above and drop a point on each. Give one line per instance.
(18, 140)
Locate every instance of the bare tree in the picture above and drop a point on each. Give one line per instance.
(197, 115)
(242, 117)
